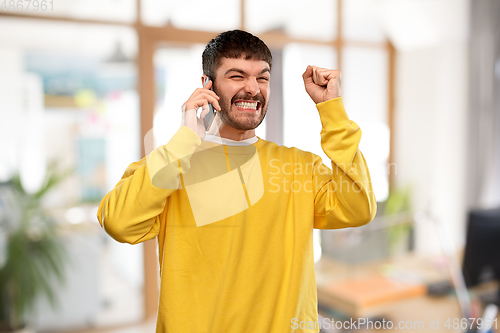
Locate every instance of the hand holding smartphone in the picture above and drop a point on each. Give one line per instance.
(201, 98)
(207, 120)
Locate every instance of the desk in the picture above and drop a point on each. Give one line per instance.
(415, 308)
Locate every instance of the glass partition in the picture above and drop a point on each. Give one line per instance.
(314, 20)
(365, 92)
(301, 123)
(68, 94)
(215, 15)
(361, 21)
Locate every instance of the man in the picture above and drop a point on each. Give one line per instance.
(233, 213)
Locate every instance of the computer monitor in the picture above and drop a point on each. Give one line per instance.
(482, 249)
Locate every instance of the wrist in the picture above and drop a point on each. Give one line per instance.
(332, 111)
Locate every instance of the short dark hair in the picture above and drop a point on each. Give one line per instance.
(233, 44)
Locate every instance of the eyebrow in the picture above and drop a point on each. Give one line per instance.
(244, 73)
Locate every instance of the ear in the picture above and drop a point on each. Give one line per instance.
(203, 79)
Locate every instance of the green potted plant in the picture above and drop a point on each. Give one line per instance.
(397, 208)
(33, 253)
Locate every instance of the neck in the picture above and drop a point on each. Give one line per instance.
(218, 128)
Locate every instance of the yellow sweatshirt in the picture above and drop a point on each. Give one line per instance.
(234, 224)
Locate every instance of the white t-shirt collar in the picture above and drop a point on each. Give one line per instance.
(229, 142)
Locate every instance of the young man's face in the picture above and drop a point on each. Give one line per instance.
(243, 88)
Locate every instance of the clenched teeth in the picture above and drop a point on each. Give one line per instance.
(247, 105)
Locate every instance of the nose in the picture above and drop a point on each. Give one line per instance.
(252, 86)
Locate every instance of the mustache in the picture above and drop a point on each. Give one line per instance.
(258, 98)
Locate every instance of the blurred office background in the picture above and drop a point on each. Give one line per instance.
(82, 82)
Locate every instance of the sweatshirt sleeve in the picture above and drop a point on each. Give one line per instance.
(343, 195)
(131, 211)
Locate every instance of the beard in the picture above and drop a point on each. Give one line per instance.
(243, 121)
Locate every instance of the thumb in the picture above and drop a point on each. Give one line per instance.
(307, 76)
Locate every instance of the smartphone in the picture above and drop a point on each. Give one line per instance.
(207, 120)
